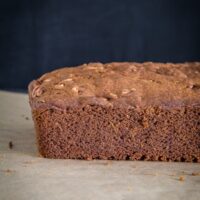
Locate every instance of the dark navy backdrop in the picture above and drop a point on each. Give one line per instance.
(37, 36)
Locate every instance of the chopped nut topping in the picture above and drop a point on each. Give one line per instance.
(125, 91)
(90, 67)
(132, 68)
(59, 86)
(75, 89)
(47, 80)
(41, 101)
(97, 67)
(67, 80)
(114, 96)
(37, 91)
(133, 89)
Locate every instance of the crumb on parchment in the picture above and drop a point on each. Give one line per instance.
(181, 178)
(195, 173)
(10, 144)
(8, 171)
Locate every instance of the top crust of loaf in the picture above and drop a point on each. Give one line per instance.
(119, 84)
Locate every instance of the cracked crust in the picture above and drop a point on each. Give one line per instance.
(129, 84)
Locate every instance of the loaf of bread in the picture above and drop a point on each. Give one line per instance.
(120, 111)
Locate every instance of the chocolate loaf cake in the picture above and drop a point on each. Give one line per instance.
(120, 111)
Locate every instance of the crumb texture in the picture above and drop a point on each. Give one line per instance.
(121, 111)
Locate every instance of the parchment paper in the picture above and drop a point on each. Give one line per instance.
(26, 176)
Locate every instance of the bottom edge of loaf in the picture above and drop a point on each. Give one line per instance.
(134, 157)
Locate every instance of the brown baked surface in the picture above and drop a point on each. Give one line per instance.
(136, 111)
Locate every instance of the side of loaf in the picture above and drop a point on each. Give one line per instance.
(120, 111)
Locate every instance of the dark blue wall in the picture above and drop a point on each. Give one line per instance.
(37, 36)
